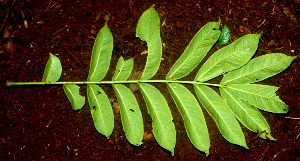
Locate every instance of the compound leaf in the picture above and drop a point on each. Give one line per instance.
(53, 69)
(101, 55)
(240, 99)
(258, 69)
(72, 91)
(260, 96)
(248, 115)
(221, 113)
(192, 115)
(123, 69)
(131, 115)
(197, 49)
(101, 110)
(148, 29)
(229, 58)
(162, 120)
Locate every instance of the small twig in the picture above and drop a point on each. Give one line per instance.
(58, 31)
(7, 15)
(261, 23)
(279, 153)
(297, 136)
(48, 124)
(255, 137)
(70, 53)
(293, 118)
(46, 10)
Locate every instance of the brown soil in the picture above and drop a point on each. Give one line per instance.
(37, 122)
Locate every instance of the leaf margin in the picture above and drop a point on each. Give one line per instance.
(72, 92)
(239, 139)
(134, 134)
(149, 92)
(195, 125)
(98, 101)
(53, 69)
(101, 54)
(187, 56)
(255, 65)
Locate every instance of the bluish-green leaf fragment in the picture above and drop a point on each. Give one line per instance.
(225, 36)
(101, 110)
(248, 115)
(258, 69)
(162, 120)
(261, 96)
(123, 69)
(148, 29)
(53, 69)
(72, 91)
(222, 115)
(192, 116)
(197, 49)
(131, 115)
(101, 54)
(228, 58)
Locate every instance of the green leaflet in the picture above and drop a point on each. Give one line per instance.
(53, 69)
(123, 69)
(72, 91)
(229, 58)
(225, 36)
(162, 120)
(197, 49)
(148, 29)
(221, 113)
(258, 69)
(101, 55)
(248, 115)
(260, 96)
(192, 115)
(131, 115)
(101, 110)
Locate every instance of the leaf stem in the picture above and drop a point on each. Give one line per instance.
(9, 84)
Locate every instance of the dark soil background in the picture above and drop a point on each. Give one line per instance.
(37, 122)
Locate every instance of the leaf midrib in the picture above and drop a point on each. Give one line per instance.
(241, 107)
(221, 60)
(125, 111)
(257, 95)
(194, 129)
(244, 75)
(232, 132)
(119, 72)
(147, 40)
(189, 54)
(69, 91)
(98, 105)
(98, 55)
(48, 73)
(147, 97)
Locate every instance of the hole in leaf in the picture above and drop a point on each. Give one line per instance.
(131, 110)
(99, 92)
(94, 107)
